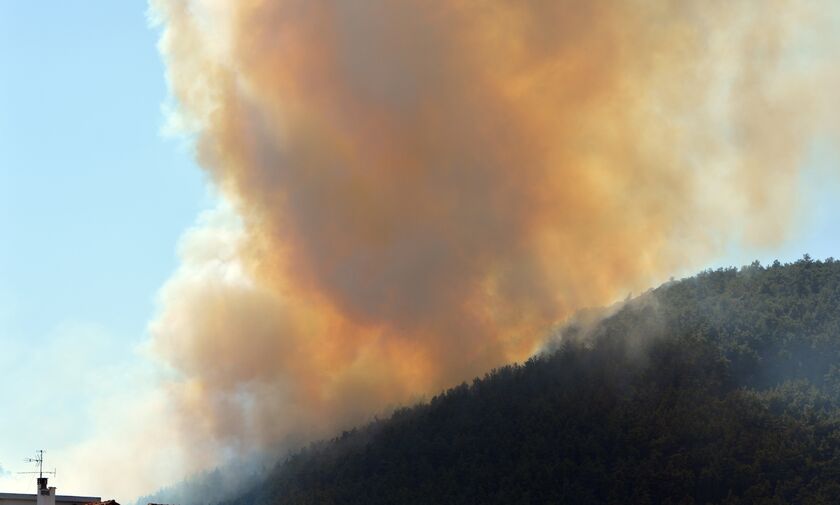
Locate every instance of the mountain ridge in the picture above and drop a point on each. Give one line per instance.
(718, 388)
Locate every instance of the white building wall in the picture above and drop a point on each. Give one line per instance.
(46, 496)
(30, 499)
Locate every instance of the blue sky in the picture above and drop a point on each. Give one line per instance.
(93, 200)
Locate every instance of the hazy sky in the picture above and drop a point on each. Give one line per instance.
(93, 200)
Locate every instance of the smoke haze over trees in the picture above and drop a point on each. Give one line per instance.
(720, 388)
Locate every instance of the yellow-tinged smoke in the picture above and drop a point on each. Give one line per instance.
(419, 189)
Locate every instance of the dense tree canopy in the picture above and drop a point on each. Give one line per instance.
(720, 388)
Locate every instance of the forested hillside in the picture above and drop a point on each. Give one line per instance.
(720, 388)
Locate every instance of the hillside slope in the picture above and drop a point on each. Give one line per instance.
(720, 388)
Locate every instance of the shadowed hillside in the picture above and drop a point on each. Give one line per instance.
(720, 388)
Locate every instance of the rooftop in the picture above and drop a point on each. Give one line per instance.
(58, 498)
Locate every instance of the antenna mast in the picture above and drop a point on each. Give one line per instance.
(39, 460)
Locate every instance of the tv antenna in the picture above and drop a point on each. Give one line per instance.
(39, 460)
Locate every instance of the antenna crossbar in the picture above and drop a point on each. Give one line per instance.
(39, 459)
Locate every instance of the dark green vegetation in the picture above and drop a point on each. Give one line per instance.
(721, 388)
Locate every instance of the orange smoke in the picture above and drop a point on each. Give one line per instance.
(420, 189)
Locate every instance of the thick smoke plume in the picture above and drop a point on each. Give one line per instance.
(418, 190)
